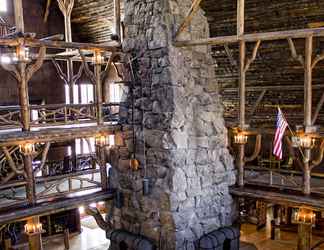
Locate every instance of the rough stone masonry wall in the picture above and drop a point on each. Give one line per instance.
(186, 146)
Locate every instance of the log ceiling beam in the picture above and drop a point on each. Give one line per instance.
(55, 134)
(273, 88)
(266, 36)
(31, 42)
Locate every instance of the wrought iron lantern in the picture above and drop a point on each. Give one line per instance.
(304, 216)
(101, 140)
(22, 54)
(98, 58)
(27, 148)
(240, 138)
(33, 228)
(304, 141)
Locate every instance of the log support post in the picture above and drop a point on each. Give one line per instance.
(34, 239)
(304, 236)
(240, 31)
(66, 8)
(19, 16)
(308, 110)
(117, 14)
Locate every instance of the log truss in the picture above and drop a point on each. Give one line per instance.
(307, 163)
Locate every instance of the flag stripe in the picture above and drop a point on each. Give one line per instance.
(280, 131)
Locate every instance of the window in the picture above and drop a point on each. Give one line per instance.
(115, 92)
(3, 5)
(87, 95)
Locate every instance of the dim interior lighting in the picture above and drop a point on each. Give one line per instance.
(303, 141)
(240, 138)
(27, 148)
(31, 228)
(5, 59)
(305, 216)
(22, 54)
(98, 58)
(101, 140)
(82, 210)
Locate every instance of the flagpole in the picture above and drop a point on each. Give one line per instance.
(292, 133)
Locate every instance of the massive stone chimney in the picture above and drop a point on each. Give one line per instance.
(187, 160)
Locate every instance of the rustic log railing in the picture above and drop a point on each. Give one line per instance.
(58, 114)
(57, 179)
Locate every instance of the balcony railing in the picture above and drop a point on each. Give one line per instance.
(70, 176)
(58, 114)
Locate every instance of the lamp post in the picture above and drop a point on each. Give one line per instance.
(305, 218)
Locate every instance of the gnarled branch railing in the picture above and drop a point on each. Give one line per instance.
(57, 114)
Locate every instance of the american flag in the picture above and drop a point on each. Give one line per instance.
(281, 127)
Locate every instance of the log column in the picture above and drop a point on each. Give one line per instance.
(98, 87)
(308, 110)
(117, 18)
(240, 32)
(304, 236)
(35, 239)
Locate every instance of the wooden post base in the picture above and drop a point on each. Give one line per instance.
(35, 239)
(304, 236)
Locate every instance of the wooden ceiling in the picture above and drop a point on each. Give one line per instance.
(274, 66)
(93, 20)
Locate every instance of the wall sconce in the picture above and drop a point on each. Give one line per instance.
(303, 141)
(98, 58)
(31, 228)
(101, 140)
(27, 149)
(133, 163)
(305, 216)
(240, 138)
(22, 54)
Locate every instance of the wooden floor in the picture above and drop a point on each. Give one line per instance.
(91, 238)
(261, 239)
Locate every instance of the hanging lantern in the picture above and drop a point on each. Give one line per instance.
(98, 58)
(33, 228)
(27, 149)
(303, 141)
(101, 140)
(240, 138)
(304, 216)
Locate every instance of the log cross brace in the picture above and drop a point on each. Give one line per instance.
(257, 149)
(94, 212)
(66, 6)
(44, 158)
(293, 51)
(321, 101)
(90, 74)
(253, 57)
(64, 76)
(319, 158)
(17, 169)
